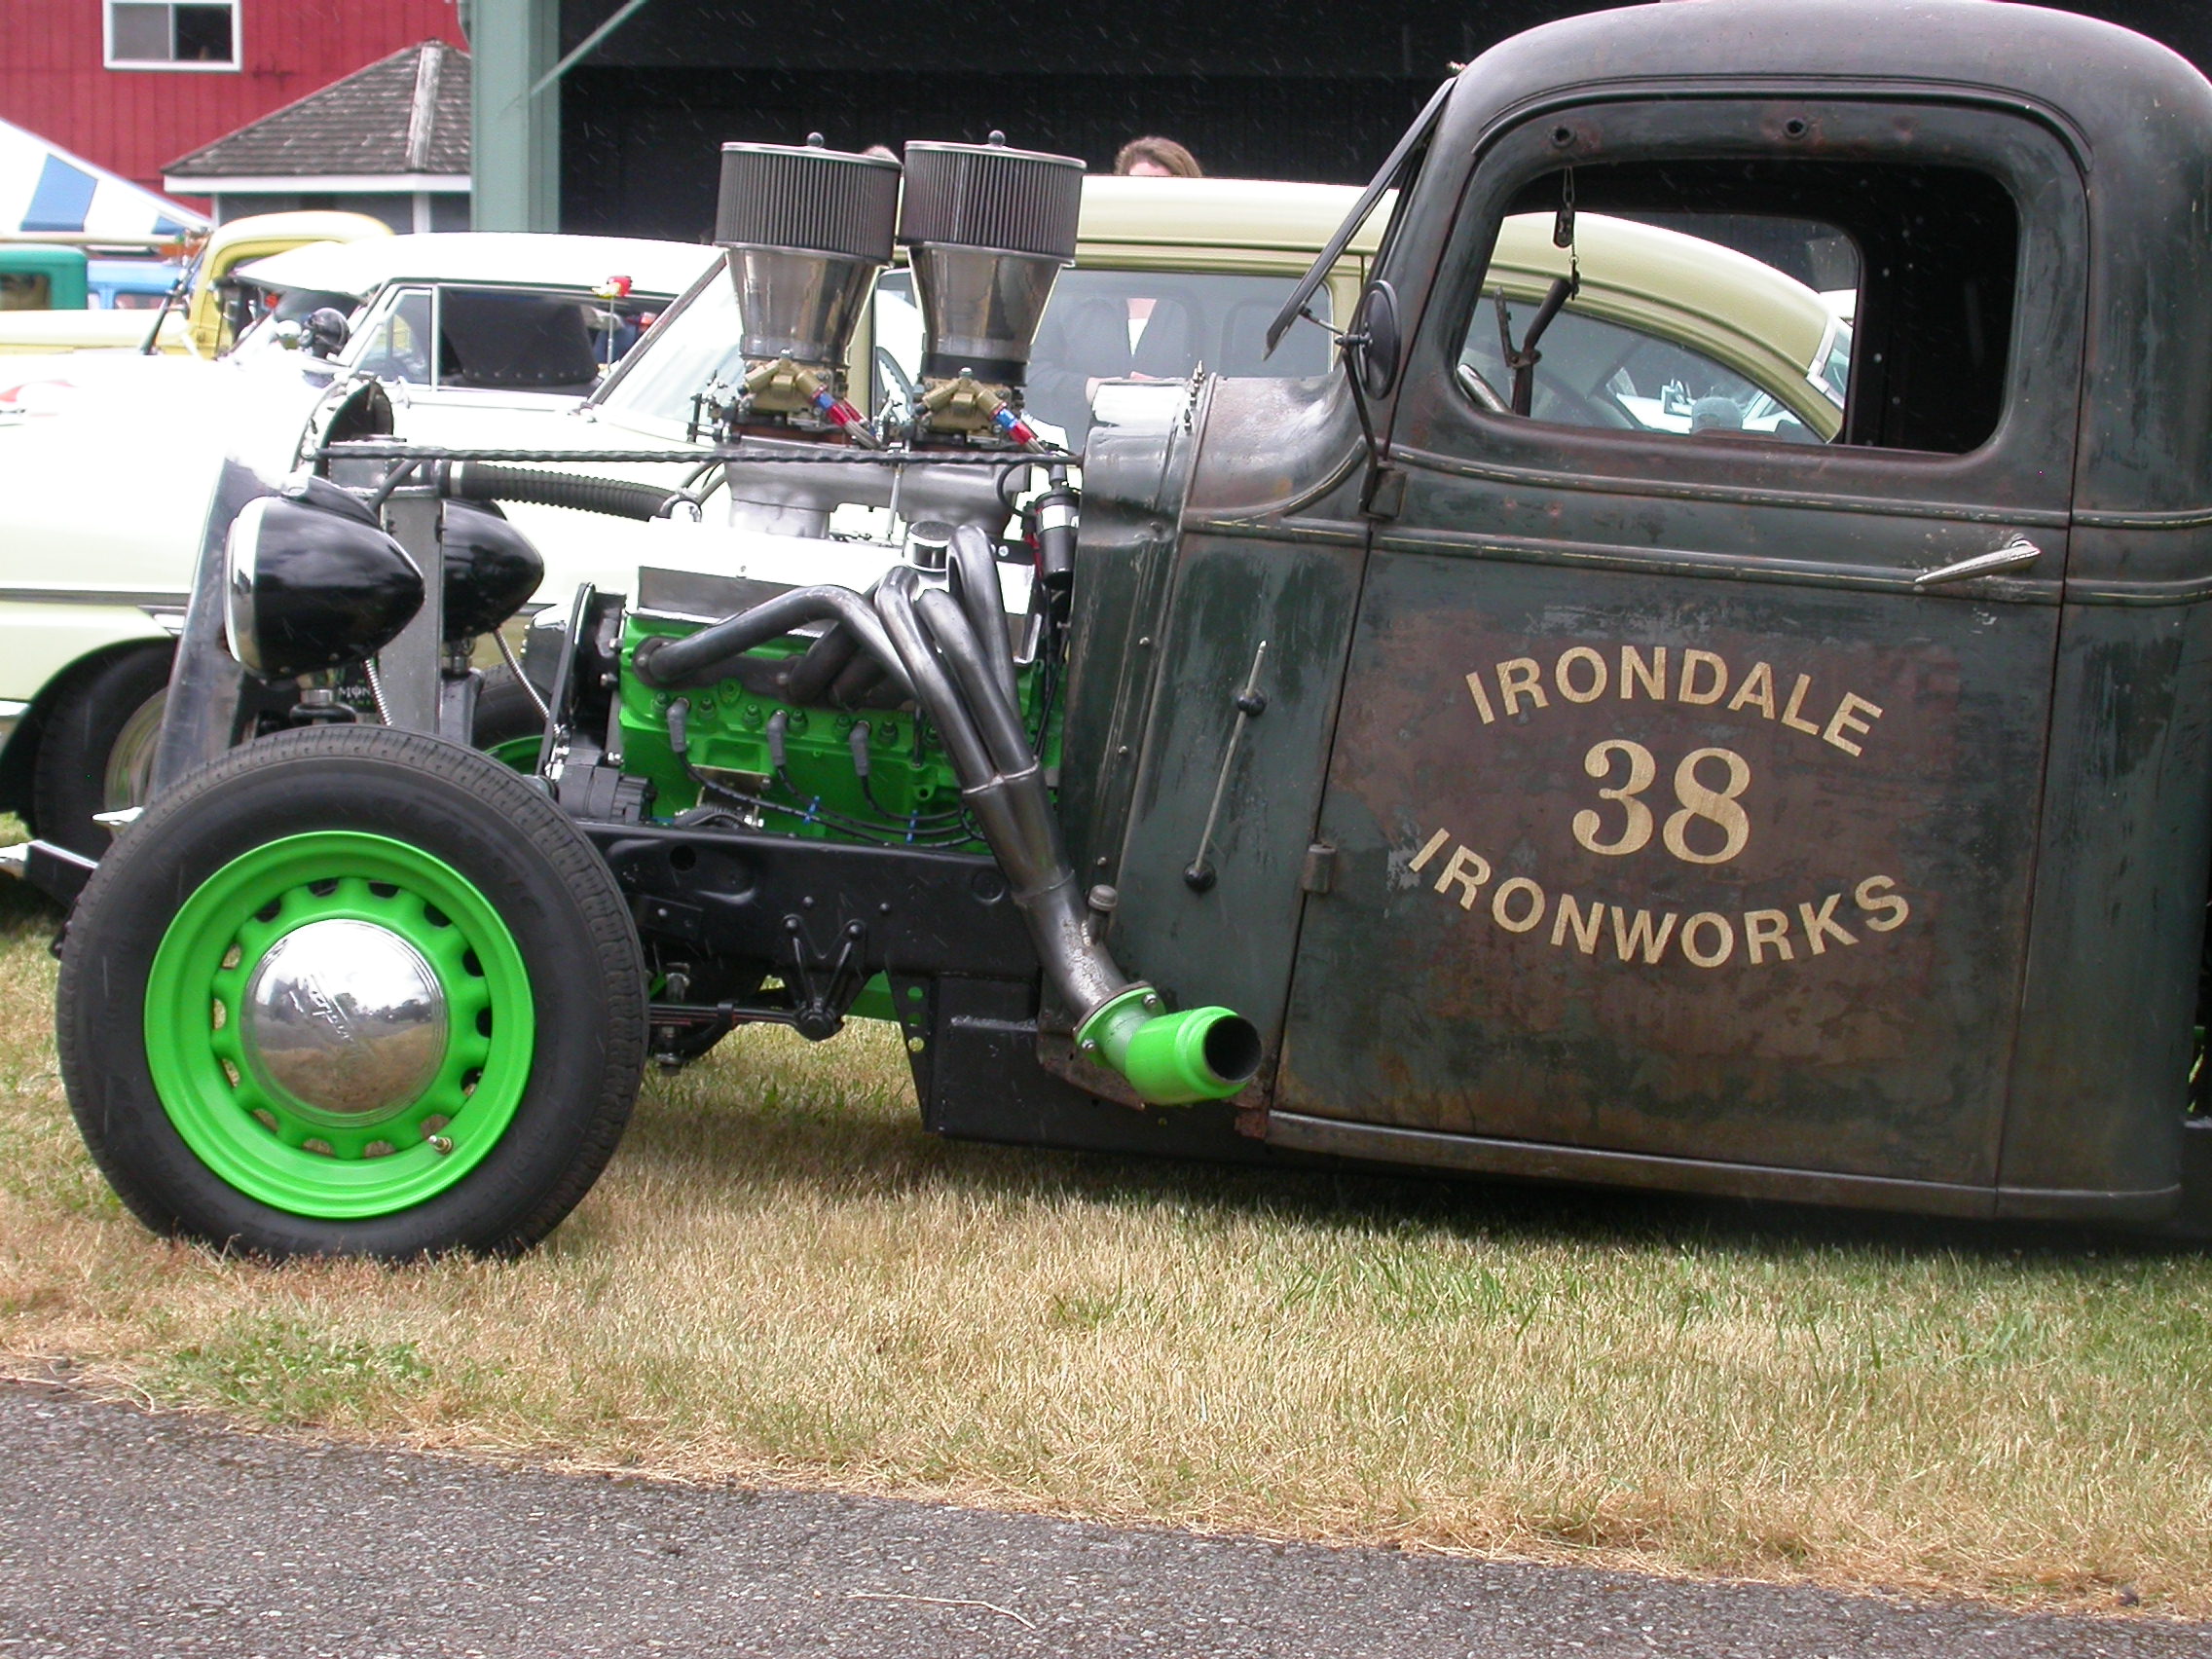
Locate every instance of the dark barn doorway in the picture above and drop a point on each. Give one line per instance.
(1291, 89)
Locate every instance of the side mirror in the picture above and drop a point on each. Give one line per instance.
(326, 332)
(1376, 339)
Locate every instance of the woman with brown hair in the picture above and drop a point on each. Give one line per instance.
(1157, 158)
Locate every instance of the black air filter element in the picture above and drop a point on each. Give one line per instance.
(988, 195)
(808, 200)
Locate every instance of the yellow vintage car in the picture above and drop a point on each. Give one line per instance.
(212, 309)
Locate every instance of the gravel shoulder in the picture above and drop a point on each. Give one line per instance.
(128, 1533)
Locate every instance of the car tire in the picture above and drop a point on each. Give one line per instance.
(97, 750)
(509, 727)
(243, 1076)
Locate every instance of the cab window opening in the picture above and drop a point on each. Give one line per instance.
(1867, 304)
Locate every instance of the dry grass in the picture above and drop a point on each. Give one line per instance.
(783, 1280)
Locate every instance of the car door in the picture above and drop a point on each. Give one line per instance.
(1681, 822)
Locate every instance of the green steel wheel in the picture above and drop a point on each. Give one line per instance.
(277, 1096)
(353, 991)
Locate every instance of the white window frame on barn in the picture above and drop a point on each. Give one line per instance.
(170, 9)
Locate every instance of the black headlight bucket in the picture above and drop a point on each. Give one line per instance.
(490, 569)
(312, 582)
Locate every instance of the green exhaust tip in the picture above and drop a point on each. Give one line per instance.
(1172, 1059)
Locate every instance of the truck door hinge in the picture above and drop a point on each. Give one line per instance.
(1319, 874)
(1384, 495)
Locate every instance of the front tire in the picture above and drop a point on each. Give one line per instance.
(353, 991)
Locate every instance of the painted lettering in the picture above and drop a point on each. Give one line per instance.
(1500, 904)
(1755, 692)
(1875, 895)
(1470, 869)
(1636, 830)
(1565, 683)
(1821, 923)
(1570, 917)
(1688, 689)
(1846, 718)
(1640, 936)
(1707, 939)
(1716, 806)
(1651, 676)
(1520, 679)
(1798, 700)
(1765, 931)
(1722, 946)
(1482, 698)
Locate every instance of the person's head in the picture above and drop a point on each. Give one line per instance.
(1157, 158)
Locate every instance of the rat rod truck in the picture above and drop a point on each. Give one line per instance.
(1524, 751)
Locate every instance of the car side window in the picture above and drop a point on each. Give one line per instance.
(1803, 302)
(398, 342)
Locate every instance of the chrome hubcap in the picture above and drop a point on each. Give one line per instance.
(344, 1021)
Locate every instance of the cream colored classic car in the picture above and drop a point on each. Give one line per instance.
(474, 338)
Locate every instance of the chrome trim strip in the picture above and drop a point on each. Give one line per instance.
(141, 598)
(1591, 482)
(2176, 518)
(1683, 562)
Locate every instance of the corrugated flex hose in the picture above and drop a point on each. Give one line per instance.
(618, 497)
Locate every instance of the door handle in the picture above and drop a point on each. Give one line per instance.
(2016, 554)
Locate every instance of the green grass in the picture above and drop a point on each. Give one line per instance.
(781, 1279)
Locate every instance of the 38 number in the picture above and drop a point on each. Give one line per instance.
(1694, 790)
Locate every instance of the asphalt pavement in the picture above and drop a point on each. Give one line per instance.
(123, 1531)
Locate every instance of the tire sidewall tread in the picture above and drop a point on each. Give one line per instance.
(93, 703)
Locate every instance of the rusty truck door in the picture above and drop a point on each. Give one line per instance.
(1687, 831)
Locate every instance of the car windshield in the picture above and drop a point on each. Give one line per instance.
(697, 348)
(1099, 325)
(1104, 325)
(287, 305)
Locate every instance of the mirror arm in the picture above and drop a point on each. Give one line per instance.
(1348, 353)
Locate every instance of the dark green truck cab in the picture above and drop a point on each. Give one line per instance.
(1684, 809)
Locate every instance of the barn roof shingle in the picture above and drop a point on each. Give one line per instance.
(403, 113)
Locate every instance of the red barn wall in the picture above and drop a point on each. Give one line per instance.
(135, 120)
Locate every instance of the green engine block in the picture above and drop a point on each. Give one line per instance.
(909, 794)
